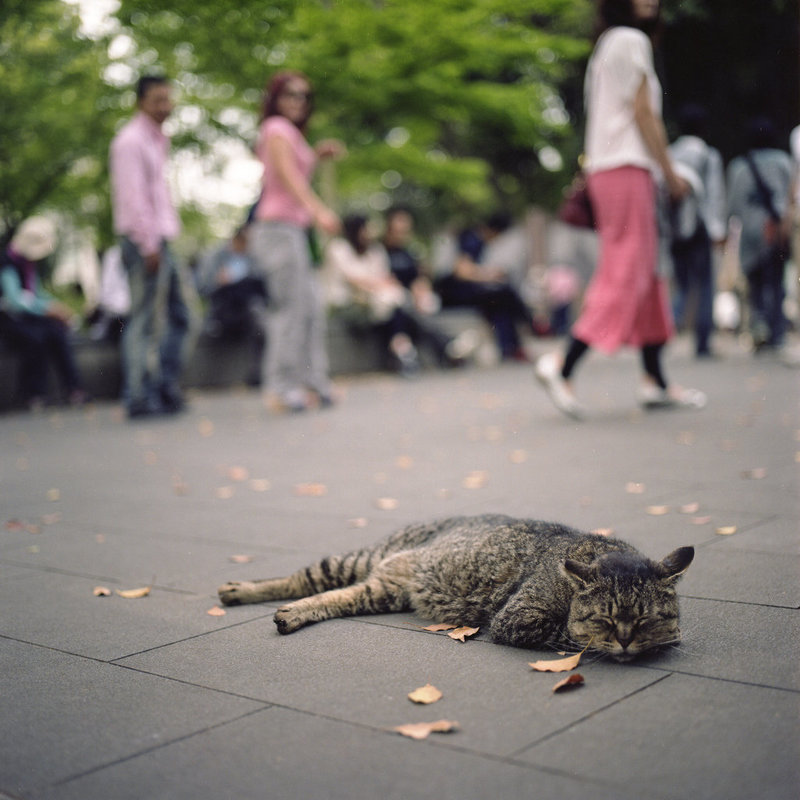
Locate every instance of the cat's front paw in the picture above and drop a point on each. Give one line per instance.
(289, 619)
(235, 593)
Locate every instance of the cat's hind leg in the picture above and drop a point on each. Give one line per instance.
(385, 591)
(329, 573)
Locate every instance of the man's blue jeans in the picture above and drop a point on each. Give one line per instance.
(152, 341)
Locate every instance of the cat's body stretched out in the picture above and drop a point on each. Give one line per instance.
(528, 582)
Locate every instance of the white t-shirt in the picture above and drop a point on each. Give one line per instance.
(621, 58)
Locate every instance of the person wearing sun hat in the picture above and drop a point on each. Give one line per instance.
(34, 322)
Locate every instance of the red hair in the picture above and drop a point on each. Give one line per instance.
(276, 87)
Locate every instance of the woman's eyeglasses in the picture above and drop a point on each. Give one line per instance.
(304, 96)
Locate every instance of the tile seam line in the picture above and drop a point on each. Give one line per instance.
(565, 728)
(161, 746)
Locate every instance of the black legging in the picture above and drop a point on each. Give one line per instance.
(651, 360)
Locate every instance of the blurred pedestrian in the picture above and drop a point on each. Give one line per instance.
(476, 282)
(626, 302)
(146, 222)
(287, 212)
(36, 324)
(699, 223)
(759, 184)
(237, 298)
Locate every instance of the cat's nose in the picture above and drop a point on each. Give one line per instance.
(624, 637)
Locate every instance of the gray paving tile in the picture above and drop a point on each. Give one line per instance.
(500, 701)
(63, 715)
(59, 611)
(723, 573)
(687, 737)
(279, 753)
(738, 642)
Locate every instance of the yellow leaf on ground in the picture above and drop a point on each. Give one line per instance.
(461, 634)
(310, 489)
(570, 682)
(440, 626)
(216, 611)
(559, 664)
(657, 511)
(101, 591)
(425, 694)
(240, 559)
(726, 530)
(634, 488)
(134, 594)
(421, 730)
(386, 503)
(53, 495)
(476, 479)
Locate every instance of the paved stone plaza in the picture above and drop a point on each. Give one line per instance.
(113, 698)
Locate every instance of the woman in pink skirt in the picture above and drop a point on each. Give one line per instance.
(627, 301)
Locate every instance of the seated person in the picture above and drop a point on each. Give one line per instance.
(237, 300)
(360, 281)
(114, 304)
(34, 322)
(473, 282)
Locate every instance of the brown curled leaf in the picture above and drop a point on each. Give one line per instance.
(559, 664)
(461, 634)
(101, 591)
(570, 682)
(134, 594)
(440, 626)
(421, 730)
(216, 611)
(425, 694)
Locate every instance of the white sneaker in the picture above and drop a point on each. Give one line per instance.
(651, 396)
(548, 372)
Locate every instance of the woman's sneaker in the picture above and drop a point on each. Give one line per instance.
(548, 372)
(652, 397)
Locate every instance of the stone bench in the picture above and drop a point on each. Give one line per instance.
(219, 364)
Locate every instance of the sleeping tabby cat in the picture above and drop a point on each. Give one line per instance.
(528, 582)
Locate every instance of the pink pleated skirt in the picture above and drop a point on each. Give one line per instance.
(626, 302)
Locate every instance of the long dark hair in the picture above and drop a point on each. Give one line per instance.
(612, 13)
(275, 88)
(352, 225)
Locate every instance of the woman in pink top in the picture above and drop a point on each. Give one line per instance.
(626, 302)
(296, 360)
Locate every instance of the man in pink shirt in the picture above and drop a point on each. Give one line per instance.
(146, 221)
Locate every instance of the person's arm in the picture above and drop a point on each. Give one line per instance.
(279, 152)
(652, 130)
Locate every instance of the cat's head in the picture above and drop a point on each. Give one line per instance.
(625, 604)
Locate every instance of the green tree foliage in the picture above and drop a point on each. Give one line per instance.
(54, 125)
(445, 104)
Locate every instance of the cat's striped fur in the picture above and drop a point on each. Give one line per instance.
(528, 582)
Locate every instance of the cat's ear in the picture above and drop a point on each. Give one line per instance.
(676, 563)
(578, 572)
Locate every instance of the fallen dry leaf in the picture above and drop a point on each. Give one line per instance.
(518, 456)
(386, 503)
(603, 531)
(15, 525)
(206, 427)
(756, 474)
(701, 520)
(461, 634)
(634, 488)
(570, 682)
(726, 530)
(358, 522)
(657, 511)
(559, 664)
(690, 508)
(310, 489)
(421, 730)
(404, 462)
(240, 559)
(51, 519)
(260, 485)
(134, 594)
(53, 495)
(101, 591)
(216, 611)
(440, 626)
(476, 479)
(425, 694)
(224, 492)
(239, 474)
